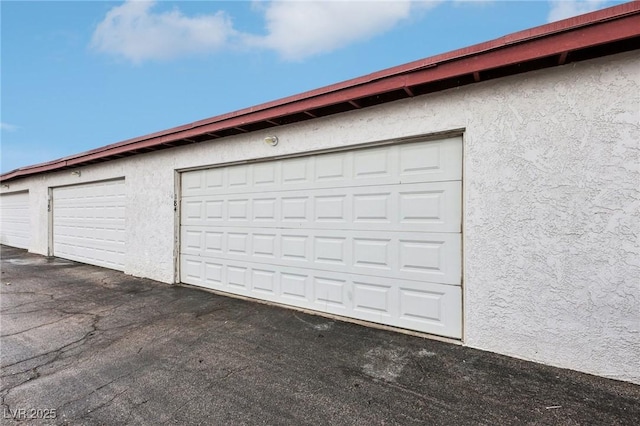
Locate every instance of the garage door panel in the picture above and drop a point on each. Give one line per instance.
(437, 309)
(430, 207)
(101, 234)
(89, 223)
(15, 235)
(192, 270)
(14, 219)
(91, 252)
(374, 301)
(106, 197)
(421, 306)
(108, 201)
(436, 161)
(432, 257)
(71, 214)
(91, 255)
(81, 242)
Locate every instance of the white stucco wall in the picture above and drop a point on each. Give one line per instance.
(551, 205)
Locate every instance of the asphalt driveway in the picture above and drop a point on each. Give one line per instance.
(88, 345)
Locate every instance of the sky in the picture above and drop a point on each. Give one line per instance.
(77, 75)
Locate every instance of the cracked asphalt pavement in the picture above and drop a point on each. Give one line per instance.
(101, 347)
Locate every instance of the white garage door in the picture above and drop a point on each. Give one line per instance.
(88, 223)
(372, 234)
(14, 219)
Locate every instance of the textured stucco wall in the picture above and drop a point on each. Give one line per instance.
(552, 218)
(551, 205)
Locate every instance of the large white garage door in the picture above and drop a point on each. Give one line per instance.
(14, 219)
(88, 223)
(372, 234)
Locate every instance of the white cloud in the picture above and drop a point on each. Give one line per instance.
(294, 29)
(561, 9)
(134, 31)
(8, 127)
(303, 28)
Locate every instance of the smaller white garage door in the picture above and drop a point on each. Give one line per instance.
(14, 219)
(88, 223)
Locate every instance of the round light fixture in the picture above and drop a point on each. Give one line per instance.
(271, 140)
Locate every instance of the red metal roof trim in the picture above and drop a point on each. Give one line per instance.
(558, 38)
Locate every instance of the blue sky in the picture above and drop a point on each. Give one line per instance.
(78, 75)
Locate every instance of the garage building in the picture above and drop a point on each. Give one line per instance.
(487, 196)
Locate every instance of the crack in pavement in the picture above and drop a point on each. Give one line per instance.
(58, 352)
(101, 406)
(132, 409)
(33, 328)
(28, 312)
(62, 348)
(58, 409)
(232, 372)
(37, 293)
(10, 308)
(27, 370)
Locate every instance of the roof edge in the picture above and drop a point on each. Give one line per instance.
(471, 59)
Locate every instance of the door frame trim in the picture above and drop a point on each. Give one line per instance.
(177, 218)
(50, 221)
(457, 132)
